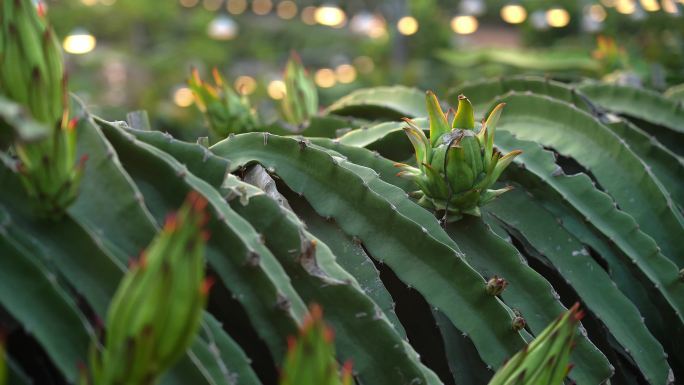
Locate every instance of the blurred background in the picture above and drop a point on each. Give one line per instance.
(137, 54)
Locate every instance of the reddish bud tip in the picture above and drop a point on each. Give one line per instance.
(328, 334)
(171, 222)
(207, 284)
(41, 9)
(72, 124)
(291, 342)
(82, 161)
(205, 235)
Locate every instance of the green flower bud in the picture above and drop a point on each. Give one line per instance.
(544, 360)
(310, 358)
(225, 111)
(300, 102)
(456, 167)
(32, 75)
(157, 308)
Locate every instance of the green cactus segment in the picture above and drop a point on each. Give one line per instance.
(225, 111)
(246, 267)
(617, 169)
(300, 102)
(546, 359)
(529, 60)
(367, 136)
(365, 334)
(156, 311)
(430, 266)
(484, 92)
(28, 291)
(638, 103)
(310, 357)
(351, 257)
(381, 102)
(464, 363)
(31, 64)
(529, 293)
(590, 281)
(329, 126)
(667, 167)
(598, 210)
(456, 169)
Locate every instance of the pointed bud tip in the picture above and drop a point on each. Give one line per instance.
(206, 286)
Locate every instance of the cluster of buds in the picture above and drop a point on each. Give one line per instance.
(225, 111)
(32, 75)
(310, 358)
(300, 102)
(545, 360)
(458, 164)
(157, 308)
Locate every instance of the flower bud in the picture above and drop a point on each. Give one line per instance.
(310, 358)
(518, 323)
(300, 102)
(458, 164)
(544, 360)
(225, 111)
(157, 308)
(496, 285)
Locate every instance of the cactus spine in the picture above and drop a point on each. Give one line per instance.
(156, 311)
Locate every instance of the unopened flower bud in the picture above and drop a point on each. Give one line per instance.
(496, 285)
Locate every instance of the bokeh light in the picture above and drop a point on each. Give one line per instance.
(345, 73)
(513, 13)
(464, 25)
(262, 7)
(245, 85)
(183, 97)
(79, 42)
(286, 9)
(236, 7)
(557, 17)
(331, 16)
(407, 25)
(276, 89)
(325, 78)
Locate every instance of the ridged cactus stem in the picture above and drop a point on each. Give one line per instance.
(157, 308)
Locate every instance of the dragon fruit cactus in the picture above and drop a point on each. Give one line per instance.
(457, 164)
(32, 76)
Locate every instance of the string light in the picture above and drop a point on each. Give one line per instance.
(325, 78)
(189, 3)
(669, 6)
(222, 28)
(513, 13)
(597, 12)
(79, 42)
(276, 89)
(557, 17)
(183, 97)
(331, 16)
(625, 7)
(346, 73)
(245, 85)
(309, 15)
(650, 5)
(262, 7)
(464, 25)
(212, 5)
(286, 9)
(407, 25)
(236, 7)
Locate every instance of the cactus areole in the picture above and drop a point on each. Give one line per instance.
(458, 164)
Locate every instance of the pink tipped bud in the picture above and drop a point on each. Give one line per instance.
(206, 286)
(518, 323)
(495, 285)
